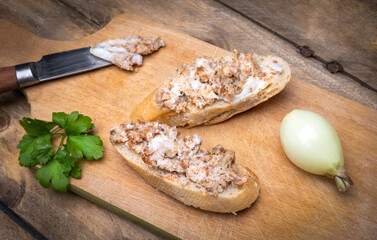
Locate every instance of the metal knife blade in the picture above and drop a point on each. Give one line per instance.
(58, 65)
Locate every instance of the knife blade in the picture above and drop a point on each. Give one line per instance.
(50, 67)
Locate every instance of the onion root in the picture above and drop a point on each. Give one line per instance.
(342, 180)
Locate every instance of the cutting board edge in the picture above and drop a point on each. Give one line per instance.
(112, 208)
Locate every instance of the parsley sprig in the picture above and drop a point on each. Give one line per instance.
(58, 162)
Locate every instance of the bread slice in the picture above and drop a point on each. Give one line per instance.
(232, 199)
(220, 110)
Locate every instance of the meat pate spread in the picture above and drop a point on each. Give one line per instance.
(127, 52)
(161, 147)
(207, 80)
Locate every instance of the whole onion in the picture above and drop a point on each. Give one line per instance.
(313, 145)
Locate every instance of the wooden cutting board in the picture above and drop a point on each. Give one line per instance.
(292, 203)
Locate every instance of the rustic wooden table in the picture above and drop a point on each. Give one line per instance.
(340, 36)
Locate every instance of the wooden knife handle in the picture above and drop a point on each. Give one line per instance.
(8, 79)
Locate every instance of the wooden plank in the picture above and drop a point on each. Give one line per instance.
(10, 230)
(49, 19)
(55, 215)
(296, 204)
(211, 22)
(333, 29)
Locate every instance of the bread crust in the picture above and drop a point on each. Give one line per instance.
(233, 199)
(218, 112)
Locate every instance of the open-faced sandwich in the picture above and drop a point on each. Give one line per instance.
(212, 90)
(207, 179)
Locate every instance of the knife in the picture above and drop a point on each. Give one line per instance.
(50, 67)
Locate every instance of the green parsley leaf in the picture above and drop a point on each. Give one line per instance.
(77, 123)
(88, 146)
(35, 127)
(73, 123)
(35, 150)
(56, 167)
(26, 146)
(26, 140)
(65, 159)
(53, 173)
(76, 171)
(42, 152)
(59, 118)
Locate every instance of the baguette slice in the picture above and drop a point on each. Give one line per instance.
(231, 200)
(219, 111)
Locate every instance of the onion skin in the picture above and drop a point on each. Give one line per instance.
(312, 144)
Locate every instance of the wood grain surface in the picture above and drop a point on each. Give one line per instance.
(332, 29)
(206, 20)
(293, 204)
(9, 230)
(221, 26)
(53, 214)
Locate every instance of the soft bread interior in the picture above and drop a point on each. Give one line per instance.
(233, 199)
(147, 110)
